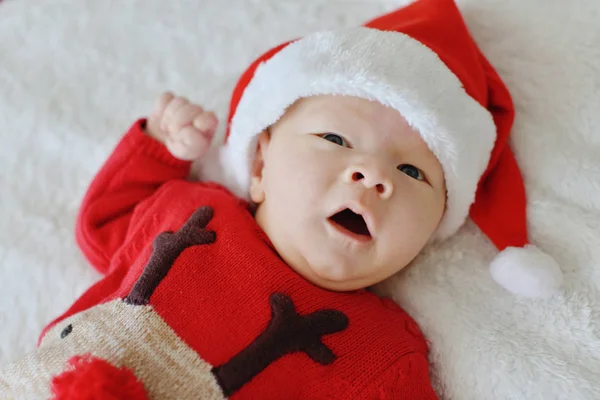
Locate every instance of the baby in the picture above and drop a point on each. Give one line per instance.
(346, 153)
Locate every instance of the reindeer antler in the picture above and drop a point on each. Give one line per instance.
(167, 246)
(287, 332)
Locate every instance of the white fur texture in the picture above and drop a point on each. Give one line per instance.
(390, 68)
(527, 271)
(75, 74)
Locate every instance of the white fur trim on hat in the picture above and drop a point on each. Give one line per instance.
(389, 67)
(527, 271)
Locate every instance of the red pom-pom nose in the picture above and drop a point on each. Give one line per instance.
(92, 378)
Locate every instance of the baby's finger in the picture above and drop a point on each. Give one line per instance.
(194, 147)
(191, 136)
(183, 117)
(206, 123)
(161, 103)
(175, 104)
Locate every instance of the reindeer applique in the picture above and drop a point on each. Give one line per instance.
(129, 335)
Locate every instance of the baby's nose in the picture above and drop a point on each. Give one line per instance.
(372, 177)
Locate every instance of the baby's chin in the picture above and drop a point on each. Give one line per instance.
(338, 279)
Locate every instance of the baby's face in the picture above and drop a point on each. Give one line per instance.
(348, 192)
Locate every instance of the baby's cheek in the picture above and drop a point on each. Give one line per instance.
(415, 218)
(300, 175)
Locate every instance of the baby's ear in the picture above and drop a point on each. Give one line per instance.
(257, 193)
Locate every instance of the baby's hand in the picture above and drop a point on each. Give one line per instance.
(184, 128)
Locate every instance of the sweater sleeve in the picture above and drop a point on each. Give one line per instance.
(137, 167)
(408, 378)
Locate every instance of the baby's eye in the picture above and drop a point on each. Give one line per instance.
(412, 171)
(335, 138)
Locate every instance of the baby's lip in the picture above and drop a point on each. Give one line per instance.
(359, 209)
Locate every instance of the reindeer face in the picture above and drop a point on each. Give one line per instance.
(124, 335)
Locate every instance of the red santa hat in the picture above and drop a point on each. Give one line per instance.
(421, 61)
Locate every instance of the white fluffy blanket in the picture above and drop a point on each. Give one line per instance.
(75, 74)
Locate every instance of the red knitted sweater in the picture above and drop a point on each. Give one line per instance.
(220, 297)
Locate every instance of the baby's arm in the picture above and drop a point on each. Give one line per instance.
(151, 153)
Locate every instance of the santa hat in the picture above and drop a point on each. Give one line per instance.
(421, 61)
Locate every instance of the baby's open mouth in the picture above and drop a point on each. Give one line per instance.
(352, 222)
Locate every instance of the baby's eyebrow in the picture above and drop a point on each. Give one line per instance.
(417, 152)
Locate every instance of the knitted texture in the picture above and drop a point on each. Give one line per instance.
(227, 299)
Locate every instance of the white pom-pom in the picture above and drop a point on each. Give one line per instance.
(527, 271)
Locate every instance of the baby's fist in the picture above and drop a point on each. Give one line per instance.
(184, 128)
